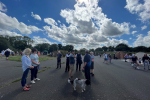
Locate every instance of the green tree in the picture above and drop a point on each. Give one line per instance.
(4, 44)
(104, 48)
(122, 47)
(60, 46)
(53, 47)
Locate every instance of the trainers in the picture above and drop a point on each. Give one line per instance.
(138, 68)
(33, 82)
(37, 79)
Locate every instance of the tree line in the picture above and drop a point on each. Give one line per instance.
(19, 43)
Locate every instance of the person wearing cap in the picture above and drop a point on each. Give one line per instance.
(72, 57)
(87, 65)
(67, 61)
(79, 61)
(92, 63)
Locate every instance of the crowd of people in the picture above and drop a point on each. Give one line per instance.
(8, 52)
(137, 61)
(73, 59)
(30, 61)
(107, 58)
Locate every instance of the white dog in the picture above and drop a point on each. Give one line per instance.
(82, 82)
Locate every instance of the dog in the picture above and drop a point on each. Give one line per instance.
(82, 82)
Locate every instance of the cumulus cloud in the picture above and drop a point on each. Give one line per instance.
(130, 38)
(59, 21)
(142, 41)
(36, 16)
(133, 26)
(3, 7)
(113, 29)
(38, 40)
(87, 26)
(133, 32)
(115, 42)
(9, 23)
(148, 32)
(143, 10)
(144, 27)
(50, 21)
(8, 33)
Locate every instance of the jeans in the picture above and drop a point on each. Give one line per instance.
(58, 63)
(67, 65)
(147, 64)
(24, 76)
(87, 73)
(34, 72)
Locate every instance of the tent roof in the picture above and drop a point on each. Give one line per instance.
(45, 51)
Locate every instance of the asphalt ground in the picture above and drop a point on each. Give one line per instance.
(116, 81)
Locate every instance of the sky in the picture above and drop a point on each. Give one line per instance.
(81, 23)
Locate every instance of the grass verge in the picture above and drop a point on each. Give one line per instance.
(41, 58)
(63, 63)
(17, 80)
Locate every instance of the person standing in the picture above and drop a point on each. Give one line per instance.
(105, 58)
(7, 53)
(2, 53)
(35, 62)
(125, 57)
(71, 63)
(67, 61)
(109, 58)
(26, 65)
(59, 60)
(114, 56)
(79, 61)
(149, 59)
(87, 64)
(146, 61)
(92, 63)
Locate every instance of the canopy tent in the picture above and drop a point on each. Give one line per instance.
(8, 50)
(141, 54)
(120, 55)
(45, 52)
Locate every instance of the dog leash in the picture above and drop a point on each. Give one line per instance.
(83, 74)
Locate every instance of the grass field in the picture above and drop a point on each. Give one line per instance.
(41, 58)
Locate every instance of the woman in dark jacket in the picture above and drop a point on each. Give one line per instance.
(7, 53)
(146, 60)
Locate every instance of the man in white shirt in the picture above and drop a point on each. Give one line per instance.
(105, 58)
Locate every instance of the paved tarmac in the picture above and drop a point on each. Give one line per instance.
(116, 81)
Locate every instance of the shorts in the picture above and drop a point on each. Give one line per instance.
(71, 67)
(139, 61)
(92, 65)
(105, 59)
(7, 55)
